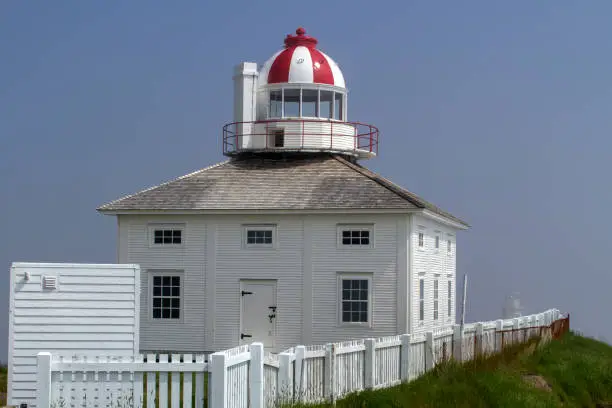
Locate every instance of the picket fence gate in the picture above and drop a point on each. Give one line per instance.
(246, 376)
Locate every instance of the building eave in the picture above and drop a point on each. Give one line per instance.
(313, 211)
(262, 211)
(444, 220)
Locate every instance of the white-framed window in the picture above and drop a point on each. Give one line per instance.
(355, 236)
(421, 240)
(167, 235)
(421, 299)
(259, 236)
(449, 247)
(437, 242)
(450, 297)
(355, 299)
(166, 295)
(435, 304)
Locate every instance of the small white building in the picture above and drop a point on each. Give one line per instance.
(291, 240)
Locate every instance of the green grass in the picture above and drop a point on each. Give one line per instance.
(3, 384)
(578, 370)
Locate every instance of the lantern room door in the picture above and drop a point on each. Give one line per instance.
(258, 312)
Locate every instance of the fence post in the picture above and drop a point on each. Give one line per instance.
(479, 339)
(533, 324)
(405, 357)
(370, 363)
(328, 379)
(284, 377)
(218, 394)
(499, 328)
(298, 379)
(429, 351)
(516, 325)
(458, 342)
(43, 380)
(256, 384)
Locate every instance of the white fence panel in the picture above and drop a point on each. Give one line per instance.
(237, 383)
(120, 381)
(313, 375)
(468, 344)
(349, 367)
(270, 379)
(246, 377)
(417, 356)
(388, 361)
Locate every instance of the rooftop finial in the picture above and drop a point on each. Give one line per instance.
(300, 39)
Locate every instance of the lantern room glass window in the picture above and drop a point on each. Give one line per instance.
(337, 106)
(306, 103)
(326, 104)
(292, 103)
(310, 102)
(276, 104)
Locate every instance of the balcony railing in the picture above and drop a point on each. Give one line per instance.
(300, 135)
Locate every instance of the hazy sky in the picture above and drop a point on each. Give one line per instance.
(498, 113)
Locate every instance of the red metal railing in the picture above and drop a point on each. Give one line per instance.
(302, 134)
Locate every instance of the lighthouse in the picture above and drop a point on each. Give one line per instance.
(289, 240)
(295, 103)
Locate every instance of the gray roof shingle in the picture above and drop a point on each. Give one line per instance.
(277, 183)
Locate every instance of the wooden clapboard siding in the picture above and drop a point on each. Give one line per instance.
(93, 311)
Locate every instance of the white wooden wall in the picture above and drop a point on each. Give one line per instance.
(93, 311)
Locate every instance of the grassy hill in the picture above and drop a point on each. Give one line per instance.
(571, 372)
(2, 385)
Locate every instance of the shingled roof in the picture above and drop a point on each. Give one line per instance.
(277, 183)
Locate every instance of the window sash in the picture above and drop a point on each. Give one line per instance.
(422, 299)
(435, 311)
(166, 296)
(167, 236)
(356, 237)
(355, 300)
(259, 236)
(450, 297)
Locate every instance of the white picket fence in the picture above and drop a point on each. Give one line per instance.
(245, 376)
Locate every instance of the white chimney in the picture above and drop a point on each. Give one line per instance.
(245, 97)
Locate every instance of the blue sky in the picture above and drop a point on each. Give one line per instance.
(498, 112)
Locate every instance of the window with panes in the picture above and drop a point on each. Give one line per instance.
(355, 300)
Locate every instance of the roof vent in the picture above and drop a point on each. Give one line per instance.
(49, 282)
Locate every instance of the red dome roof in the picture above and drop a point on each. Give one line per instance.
(301, 62)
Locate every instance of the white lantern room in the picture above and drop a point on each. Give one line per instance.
(296, 102)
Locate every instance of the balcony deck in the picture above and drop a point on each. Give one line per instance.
(301, 135)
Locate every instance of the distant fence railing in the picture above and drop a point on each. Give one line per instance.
(246, 376)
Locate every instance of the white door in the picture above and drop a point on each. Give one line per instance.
(258, 312)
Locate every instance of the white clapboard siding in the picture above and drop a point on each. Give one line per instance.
(429, 263)
(93, 310)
